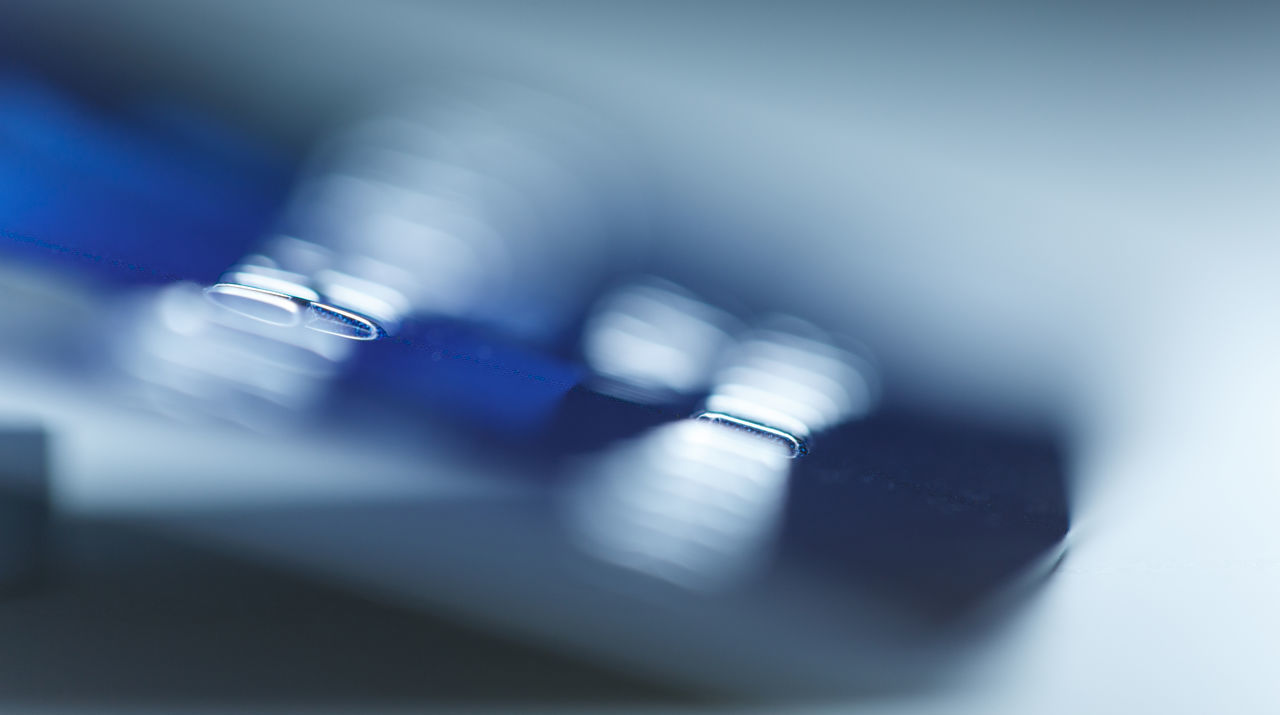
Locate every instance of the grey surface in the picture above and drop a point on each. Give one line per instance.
(132, 619)
(25, 494)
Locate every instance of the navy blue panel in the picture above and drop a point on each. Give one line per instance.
(935, 513)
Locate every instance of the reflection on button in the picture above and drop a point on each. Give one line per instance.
(794, 445)
(651, 341)
(690, 503)
(342, 323)
(258, 303)
(788, 378)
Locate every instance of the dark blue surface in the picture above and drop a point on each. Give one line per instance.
(466, 376)
(154, 196)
